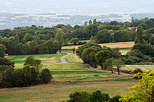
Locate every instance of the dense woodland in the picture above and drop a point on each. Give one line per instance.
(43, 40)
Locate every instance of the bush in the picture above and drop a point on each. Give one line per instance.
(2, 50)
(98, 96)
(31, 61)
(135, 53)
(131, 59)
(82, 96)
(138, 70)
(146, 49)
(7, 62)
(115, 99)
(7, 78)
(30, 75)
(45, 76)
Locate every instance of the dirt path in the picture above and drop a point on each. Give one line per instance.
(63, 57)
(87, 66)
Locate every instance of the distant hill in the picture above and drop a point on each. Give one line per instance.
(11, 20)
(142, 15)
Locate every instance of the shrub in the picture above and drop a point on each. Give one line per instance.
(5, 61)
(30, 75)
(2, 50)
(138, 70)
(45, 76)
(82, 96)
(98, 96)
(135, 53)
(115, 99)
(8, 78)
(31, 61)
(146, 49)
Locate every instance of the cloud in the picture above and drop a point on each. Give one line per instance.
(77, 6)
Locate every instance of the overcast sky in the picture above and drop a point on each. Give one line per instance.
(77, 6)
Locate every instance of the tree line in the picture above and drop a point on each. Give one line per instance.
(50, 39)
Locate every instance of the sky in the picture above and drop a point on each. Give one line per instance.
(75, 7)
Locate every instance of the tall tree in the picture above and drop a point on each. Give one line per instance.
(94, 21)
(109, 64)
(118, 63)
(139, 38)
(103, 55)
(90, 22)
(59, 39)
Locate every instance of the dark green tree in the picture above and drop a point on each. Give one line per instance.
(59, 39)
(90, 22)
(2, 50)
(31, 61)
(45, 76)
(103, 55)
(139, 38)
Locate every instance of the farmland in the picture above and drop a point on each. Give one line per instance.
(70, 77)
(67, 78)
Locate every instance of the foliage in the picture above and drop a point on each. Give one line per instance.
(88, 55)
(139, 37)
(108, 64)
(82, 96)
(7, 62)
(143, 91)
(27, 76)
(102, 55)
(118, 63)
(74, 41)
(138, 70)
(45, 76)
(145, 49)
(83, 47)
(31, 61)
(96, 96)
(59, 38)
(115, 99)
(2, 50)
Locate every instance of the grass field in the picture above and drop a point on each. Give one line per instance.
(70, 77)
(67, 78)
(58, 92)
(47, 59)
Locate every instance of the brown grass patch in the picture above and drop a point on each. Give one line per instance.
(58, 92)
(111, 45)
(133, 67)
(73, 58)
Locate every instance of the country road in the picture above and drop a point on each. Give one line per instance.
(63, 57)
(88, 67)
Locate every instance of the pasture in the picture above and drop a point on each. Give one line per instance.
(67, 78)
